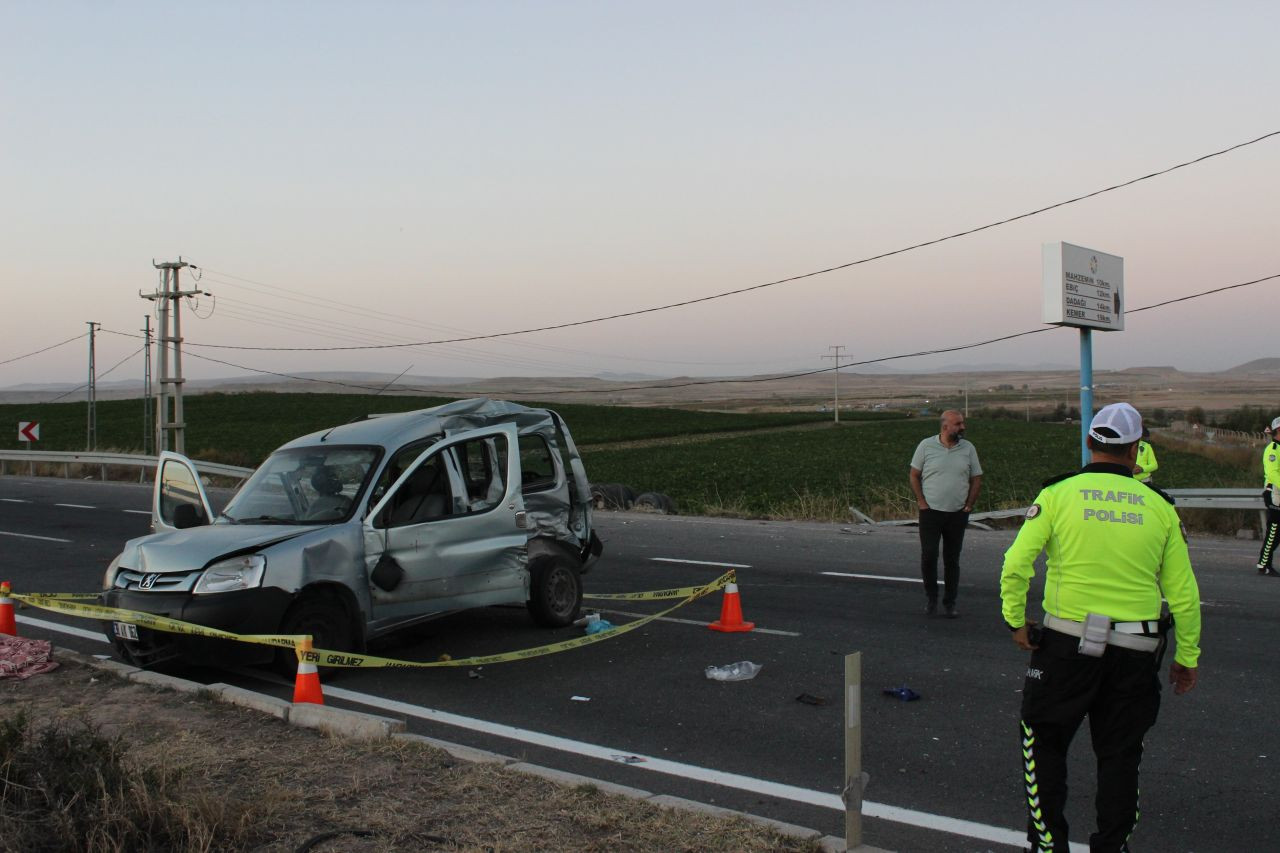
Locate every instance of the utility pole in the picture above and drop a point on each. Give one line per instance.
(170, 425)
(91, 438)
(147, 428)
(836, 373)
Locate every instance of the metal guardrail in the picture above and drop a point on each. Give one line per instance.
(144, 463)
(1217, 498)
(1184, 498)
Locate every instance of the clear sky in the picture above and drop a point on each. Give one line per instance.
(354, 173)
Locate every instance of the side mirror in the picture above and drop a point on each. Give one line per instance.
(187, 515)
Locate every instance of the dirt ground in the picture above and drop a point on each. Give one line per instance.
(267, 786)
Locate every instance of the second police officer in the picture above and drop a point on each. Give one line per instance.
(1270, 497)
(1114, 546)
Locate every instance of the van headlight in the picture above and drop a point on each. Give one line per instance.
(109, 579)
(230, 575)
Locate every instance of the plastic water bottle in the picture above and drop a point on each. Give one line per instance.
(740, 671)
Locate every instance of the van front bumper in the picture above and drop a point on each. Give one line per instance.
(250, 611)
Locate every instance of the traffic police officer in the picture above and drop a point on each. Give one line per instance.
(1114, 546)
(1146, 463)
(1271, 497)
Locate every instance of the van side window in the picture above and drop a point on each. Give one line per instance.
(424, 496)
(400, 461)
(483, 473)
(537, 465)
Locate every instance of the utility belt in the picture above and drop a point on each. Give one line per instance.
(1098, 631)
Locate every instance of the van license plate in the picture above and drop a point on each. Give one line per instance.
(125, 630)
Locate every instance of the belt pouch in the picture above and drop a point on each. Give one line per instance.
(1093, 642)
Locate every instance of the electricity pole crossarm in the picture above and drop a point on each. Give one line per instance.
(836, 374)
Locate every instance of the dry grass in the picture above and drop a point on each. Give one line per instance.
(192, 774)
(1233, 454)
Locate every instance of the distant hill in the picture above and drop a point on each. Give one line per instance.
(1258, 365)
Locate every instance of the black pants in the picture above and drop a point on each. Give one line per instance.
(1120, 693)
(949, 527)
(1270, 535)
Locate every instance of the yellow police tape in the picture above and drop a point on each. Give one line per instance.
(66, 603)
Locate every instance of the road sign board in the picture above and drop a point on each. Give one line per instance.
(28, 430)
(1083, 287)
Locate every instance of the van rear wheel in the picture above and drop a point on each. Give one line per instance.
(555, 590)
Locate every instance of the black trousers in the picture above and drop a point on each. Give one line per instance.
(1270, 535)
(948, 527)
(1120, 694)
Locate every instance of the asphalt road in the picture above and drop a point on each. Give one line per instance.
(654, 721)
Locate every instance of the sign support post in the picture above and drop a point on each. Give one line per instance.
(1083, 288)
(1086, 392)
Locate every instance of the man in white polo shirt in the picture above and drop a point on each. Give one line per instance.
(946, 478)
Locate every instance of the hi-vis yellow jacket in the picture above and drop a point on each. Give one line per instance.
(1113, 545)
(1271, 464)
(1146, 460)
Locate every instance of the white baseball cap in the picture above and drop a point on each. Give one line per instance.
(1122, 420)
(1275, 424)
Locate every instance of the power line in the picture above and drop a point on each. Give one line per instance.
(939, 351)
(348, 308)
(743, 381)
(46, 349)
(787, 280)
(107, 372)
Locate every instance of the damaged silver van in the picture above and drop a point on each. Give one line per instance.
(359, 530)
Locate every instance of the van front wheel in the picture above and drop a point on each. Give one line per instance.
(555, 590)
(325, 619)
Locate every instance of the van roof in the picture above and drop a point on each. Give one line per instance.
(395, 429)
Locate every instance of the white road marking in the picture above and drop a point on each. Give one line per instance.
(65, 629)
(873, 577)
(911, 817)
(76, 506)
(139, 511)
(13, 501)
(701, 624)
(763, 787)
(700, 563)
(30, 536)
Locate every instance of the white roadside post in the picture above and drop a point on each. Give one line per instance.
(853, 779)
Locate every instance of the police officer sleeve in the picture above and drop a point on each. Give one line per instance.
(1020, 561)
(1178, 583)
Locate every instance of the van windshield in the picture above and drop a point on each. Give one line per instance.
(308, 485)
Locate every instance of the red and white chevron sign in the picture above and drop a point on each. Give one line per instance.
(28, 430)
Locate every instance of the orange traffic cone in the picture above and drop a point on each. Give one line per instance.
(731, 612)
(8, 625)
(307, 686)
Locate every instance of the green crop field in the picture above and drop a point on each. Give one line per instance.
(742, 464)
(820, 473)
(241, 429)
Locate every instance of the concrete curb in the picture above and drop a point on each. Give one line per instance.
(361, 726)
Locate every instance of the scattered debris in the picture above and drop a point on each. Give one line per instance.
(810, 699)
(579, 698)
(906, 694)
(740, 671)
